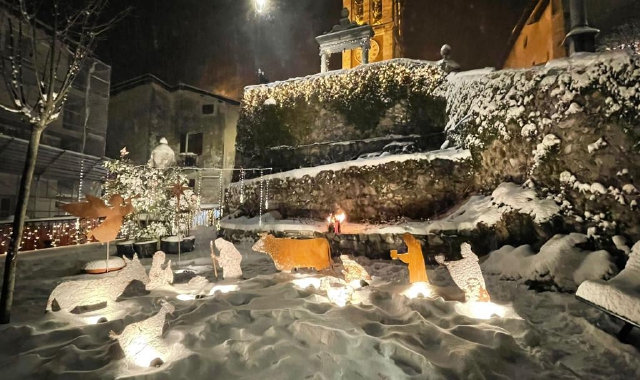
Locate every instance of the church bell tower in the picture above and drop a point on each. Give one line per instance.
(385, 16)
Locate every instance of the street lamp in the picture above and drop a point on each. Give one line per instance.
(260, 5)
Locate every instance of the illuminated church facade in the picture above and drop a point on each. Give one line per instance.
(385, 16)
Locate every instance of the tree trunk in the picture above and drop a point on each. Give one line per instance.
(9, 280)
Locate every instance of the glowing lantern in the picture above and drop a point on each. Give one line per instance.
(336, 220)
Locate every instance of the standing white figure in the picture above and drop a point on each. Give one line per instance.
(157, 276)
(229, 259)
(162, 156)
(467, 275)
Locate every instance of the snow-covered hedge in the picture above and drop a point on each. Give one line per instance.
(308, 110)
(511, 104)
(570, 127)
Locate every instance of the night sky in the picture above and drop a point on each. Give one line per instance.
(218, 44)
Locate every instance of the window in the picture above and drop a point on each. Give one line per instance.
(208, 109)
(191, 143)
(5, 207)
(192, 183)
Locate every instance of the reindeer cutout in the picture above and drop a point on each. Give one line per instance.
(413, 257)
(95, 208)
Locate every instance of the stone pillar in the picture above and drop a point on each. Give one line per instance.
(366, 45)
(582, 37)
(324, 61)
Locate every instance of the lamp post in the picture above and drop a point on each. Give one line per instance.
(260, 6)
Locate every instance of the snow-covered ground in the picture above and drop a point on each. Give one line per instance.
(268, 327)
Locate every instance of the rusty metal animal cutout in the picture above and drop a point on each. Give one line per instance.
(95, 208)
(288, 254)
(413, 257)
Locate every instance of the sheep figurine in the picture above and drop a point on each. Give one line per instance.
(94, 293)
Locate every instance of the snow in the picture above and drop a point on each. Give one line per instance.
(115, 262)
(525, 201)
(447, 154)
(175, 239)
(508, 197)
(621, 294)
(559, 261)
(347, 142)
(274, 326)
(600, 143)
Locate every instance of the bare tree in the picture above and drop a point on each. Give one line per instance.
(56, 51)
(625, 36)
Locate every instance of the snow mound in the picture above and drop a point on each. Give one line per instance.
(525, 201)
(559, 262)
(98, 265)
(621, 294)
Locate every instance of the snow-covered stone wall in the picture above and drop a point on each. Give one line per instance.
(417, 186)
(391, 97)
(570, 127)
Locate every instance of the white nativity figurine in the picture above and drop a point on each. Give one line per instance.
(229, 259)
(467, 275)
(353, 271)
(142, 342)
(83, 293)
(338, 291)
(157, 276)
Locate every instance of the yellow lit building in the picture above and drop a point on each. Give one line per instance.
(385, 16)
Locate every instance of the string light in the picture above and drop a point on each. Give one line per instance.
(242, 185)
(266, 198)
(220, 201)
(261, 196)
(199, 183)
(48, 234)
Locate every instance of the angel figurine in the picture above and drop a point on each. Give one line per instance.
(95, 208)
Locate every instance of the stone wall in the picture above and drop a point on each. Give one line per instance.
(284, 158)
(570, 128)
(418, 188)
(391, 97)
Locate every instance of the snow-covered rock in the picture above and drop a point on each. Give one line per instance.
(621, 294)
(559, 262)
